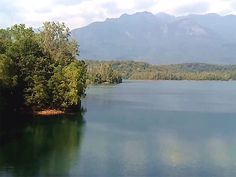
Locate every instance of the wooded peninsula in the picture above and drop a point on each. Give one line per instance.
(40, 69)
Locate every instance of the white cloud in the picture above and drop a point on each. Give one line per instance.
(78, 13)
(221, 7)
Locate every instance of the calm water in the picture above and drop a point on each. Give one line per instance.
(135, 129)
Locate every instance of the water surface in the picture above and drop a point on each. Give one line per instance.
(138, 128)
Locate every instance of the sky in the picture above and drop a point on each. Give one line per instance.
(79, 13)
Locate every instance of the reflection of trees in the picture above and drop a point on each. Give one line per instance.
(47, 147)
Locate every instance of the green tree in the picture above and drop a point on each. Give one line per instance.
(57, 44)
(102, 72)
(68, 84)
(37, 93)
(41, 69)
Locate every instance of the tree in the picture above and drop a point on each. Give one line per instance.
(102, 72)
(36, 94)
(5, 71)
(57, 44)
(41, 69)
(68, 84)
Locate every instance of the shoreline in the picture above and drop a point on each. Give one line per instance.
(48, 112)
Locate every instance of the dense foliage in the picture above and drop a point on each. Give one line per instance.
(99, 73)
(39, 69)
(189, 71)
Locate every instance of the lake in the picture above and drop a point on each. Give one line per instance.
(134, 129)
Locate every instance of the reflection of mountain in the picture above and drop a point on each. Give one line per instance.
(45, 148)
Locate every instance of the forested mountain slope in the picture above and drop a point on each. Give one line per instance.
(161, 38)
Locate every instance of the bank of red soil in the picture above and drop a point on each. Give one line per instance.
(49, 112)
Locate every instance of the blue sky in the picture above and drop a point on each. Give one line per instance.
(78, 13)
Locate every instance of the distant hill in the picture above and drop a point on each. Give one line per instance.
(161, 38)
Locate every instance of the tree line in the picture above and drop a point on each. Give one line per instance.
(187, 71)
(102, 73)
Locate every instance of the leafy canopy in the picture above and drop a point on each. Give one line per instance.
(41, 69)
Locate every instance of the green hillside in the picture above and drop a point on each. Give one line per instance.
(187, 71)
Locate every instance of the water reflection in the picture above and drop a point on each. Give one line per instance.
(40, 147)
(170, 149)
(133, 138)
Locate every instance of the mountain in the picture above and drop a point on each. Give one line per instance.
(161, 38)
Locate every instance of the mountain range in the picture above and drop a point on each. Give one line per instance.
(160, 38)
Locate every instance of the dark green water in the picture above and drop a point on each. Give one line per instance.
(135, 129)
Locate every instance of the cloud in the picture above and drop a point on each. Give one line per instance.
(200, 7)
(77, 13)
(221, 7)
(233, 4)
(140, 4)
(68, 2)
(8, 13)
